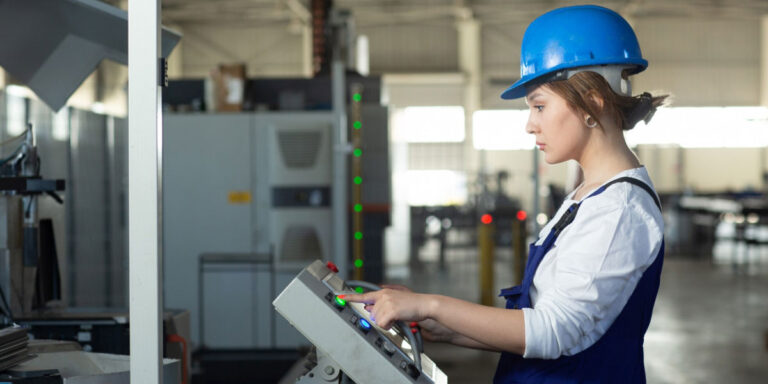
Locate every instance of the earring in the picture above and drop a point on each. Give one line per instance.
(591, 124)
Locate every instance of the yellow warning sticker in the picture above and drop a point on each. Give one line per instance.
(239, 197)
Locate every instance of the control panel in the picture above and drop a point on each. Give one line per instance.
(345, 333)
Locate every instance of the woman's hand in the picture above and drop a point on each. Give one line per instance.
(389, 305)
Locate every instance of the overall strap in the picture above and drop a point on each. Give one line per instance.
(570, 214)
(630, 180)
(567, 218)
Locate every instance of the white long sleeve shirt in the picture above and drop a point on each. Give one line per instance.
(587, 277)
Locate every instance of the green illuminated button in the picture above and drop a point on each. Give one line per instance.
(357, 152)
(357, 124)
(359, 235)
(358, 180)
(358, 208)
(359, 289)
(358, 263)
(340, 302)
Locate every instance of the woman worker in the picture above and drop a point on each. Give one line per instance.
(591, 279)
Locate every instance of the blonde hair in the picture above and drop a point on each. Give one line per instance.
(626, 111)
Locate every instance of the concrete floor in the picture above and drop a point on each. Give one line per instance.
(708, 326)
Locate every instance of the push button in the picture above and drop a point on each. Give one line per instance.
(339, 303)
(389, 348)
(364, 325)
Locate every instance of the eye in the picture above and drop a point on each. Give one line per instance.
(538, 107)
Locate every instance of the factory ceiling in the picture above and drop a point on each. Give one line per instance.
(387, 12)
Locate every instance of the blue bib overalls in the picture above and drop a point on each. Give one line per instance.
(617, 357)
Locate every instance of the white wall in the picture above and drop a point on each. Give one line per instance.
(703, 62)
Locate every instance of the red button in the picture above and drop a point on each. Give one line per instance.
(414, 330)
(414, 324)
(332, 267)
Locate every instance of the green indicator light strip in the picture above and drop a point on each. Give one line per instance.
(357, 152)
(358, 208)
(358, 180)
(358, 263)
(357, 124)
(357, 97)
(358, 235)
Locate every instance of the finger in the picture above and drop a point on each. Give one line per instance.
(384, 322)
(396, 287)
(368, 298)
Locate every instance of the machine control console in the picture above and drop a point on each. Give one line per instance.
(345, 333)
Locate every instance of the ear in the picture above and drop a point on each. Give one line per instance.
(597, 101)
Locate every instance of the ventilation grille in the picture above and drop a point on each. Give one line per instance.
(300, 243)
(299, 148)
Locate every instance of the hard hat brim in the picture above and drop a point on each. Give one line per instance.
(520, 88)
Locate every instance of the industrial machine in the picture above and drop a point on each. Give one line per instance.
(348, 343)
(28, 264)
(266, 189)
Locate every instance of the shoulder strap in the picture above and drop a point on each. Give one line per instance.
(570, 214)
(634, 181)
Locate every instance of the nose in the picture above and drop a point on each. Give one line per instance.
(531, 126)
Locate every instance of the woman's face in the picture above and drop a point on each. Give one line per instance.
(560, 132)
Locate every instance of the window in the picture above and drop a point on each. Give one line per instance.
(688, 127)
(60, 130)
(15, 114)
(436, 187)
(501, 129)
(430, 125)
(704, 127)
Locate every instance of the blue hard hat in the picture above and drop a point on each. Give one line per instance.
(572, 37)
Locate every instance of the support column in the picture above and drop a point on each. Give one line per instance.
(764, 90)
(144, 193)
(341, 148)
(470, 65)
(764, 61)
(307, 69)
